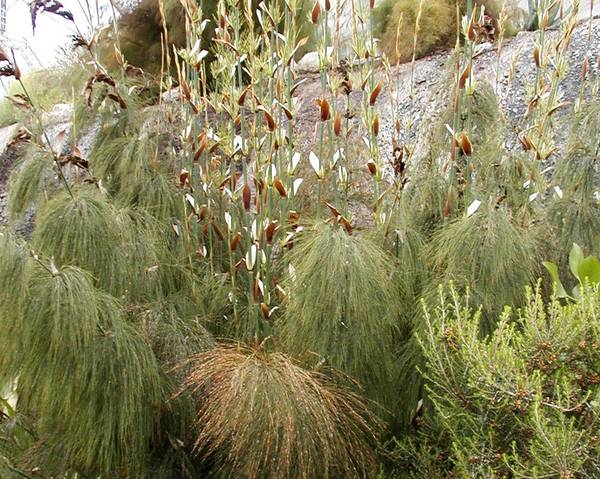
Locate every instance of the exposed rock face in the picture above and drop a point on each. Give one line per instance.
(420, 105)
(9, 154)
(511, 73)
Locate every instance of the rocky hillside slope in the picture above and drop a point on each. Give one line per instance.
(419, 104)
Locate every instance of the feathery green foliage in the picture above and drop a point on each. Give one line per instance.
(574, 212)
(15, 436)
(29, 180)
(80, 354)
(132, 168)
(261, 415)
(15, 270)
(118, 246)
(341, 306)
(173, 337)
(83, 231)
(491, 255)
(156, 194)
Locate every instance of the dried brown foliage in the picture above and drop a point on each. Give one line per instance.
(263, 416)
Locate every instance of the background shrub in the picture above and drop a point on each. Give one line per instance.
(46, 88)
(395, 22)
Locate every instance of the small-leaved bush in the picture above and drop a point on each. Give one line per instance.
(521, 402)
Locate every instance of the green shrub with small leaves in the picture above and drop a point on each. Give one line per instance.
(521, 402)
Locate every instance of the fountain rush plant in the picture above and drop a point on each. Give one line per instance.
(483, 188)
(249, 187)
(264, 416)
(372, 87)
(338, 307)
(537, 136)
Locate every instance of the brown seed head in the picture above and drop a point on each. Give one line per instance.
(375, 93)
(337, 124)
(235, 241)
(278, 184)
(246, 196)
(465, 144)
(325, 109)
(372, 167)
(536, 56)
(316, 11)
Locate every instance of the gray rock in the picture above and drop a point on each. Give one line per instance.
(310, 62)
(421, 105)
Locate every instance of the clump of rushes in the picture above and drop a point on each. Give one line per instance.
(83, 230)
(340, 306)
(263, 416)
(489, 253)
(240, 183)
(551, 59)
(78, 353)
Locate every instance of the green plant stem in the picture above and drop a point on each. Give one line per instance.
(43, 130)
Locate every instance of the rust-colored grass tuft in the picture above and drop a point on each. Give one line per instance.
(263, 416)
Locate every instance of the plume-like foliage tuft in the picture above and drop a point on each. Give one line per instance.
(15, 270)
(83, 231)
(491, 255)
(80, 354)
(575, 213)
(340, 305)
(263, 416)
(28, 181)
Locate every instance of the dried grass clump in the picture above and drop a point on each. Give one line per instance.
(263, 416)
